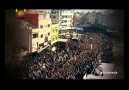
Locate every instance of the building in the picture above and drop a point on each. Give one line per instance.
(55, 16)
(75, 20)
(35, 31)
(54, 33)
(63, 17)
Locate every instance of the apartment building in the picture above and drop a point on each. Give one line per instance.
(54, 33)
(75, 20)
(35, 31)
(63, 17)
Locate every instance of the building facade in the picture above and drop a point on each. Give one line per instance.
(54, 33)
(36, 31)
(63, 17)
(75, 20)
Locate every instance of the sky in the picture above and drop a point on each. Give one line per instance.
(88, 10)
(79, 10)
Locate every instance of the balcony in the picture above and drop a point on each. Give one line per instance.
(66, 13)
(54, 14)
(63, 23)
(67, 24)
(65, 18)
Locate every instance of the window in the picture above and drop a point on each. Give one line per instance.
(41, 36)
(56, 37)
(48, 25)
(41, 26)
(53, 39)
(48, 33)
(35, 35)
(40, 45)
(53, 31)
(56, 30)
(54, 16)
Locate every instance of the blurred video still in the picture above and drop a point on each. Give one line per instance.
(64, 44)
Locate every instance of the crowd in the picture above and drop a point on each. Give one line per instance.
(81, 57)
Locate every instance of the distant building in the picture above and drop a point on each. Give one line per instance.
(75, 20)
(63, 17)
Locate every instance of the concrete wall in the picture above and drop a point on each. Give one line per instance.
(75, 20)
(12, 29)
(25, 39)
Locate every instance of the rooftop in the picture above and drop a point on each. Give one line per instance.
(30, 12)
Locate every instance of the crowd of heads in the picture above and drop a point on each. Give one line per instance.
(69, 63)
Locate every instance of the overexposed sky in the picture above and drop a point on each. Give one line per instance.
(88, 10)
(79, 10)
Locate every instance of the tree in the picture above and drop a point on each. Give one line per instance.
(83, 19)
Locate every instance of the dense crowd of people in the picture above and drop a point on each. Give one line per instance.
(69, 63)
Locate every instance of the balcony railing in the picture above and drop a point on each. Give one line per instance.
(68, 13)
(65, 18)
